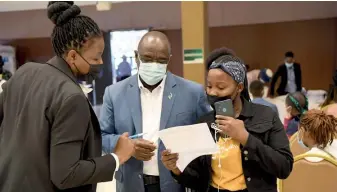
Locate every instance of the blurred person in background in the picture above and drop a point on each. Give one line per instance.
(331, 97)
(152, 100)
(50, 136)
(4, 74)
(296, 105)
(291, 76)
(2, 79)
(250, 157)
(124, 69)
(318, 132)
(256, 88)
(264, 75)
(123, 77)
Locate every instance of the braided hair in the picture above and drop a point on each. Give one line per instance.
(225, 55)
(298, 101)
(71, 29)
(322, 128)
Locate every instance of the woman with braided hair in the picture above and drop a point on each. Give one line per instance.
(318, 132)
(253, 146)
(296, 105)
(50, 138)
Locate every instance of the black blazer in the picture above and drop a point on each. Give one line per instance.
(265, 157)
(50, 138)
(282, 72)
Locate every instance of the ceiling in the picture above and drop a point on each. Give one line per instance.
(6, 6)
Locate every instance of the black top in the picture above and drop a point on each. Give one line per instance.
(50, 139)
(265, 157)
(282, 72)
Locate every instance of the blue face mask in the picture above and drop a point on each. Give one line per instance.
(289, 64)
(300, 142)
(152, 73)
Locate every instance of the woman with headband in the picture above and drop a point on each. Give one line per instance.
(254, 149)
(296, 105)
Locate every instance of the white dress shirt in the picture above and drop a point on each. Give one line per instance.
(151, 103)
(117, 161)
(115, 157)
(291, 84)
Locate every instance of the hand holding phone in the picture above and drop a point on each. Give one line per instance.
(224, 108)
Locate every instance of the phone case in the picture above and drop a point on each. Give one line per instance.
(224, 108)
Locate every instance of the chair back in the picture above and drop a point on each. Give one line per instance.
(310, 176)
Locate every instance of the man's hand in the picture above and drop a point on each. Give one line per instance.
(234, 128)
(143, 149)
(170, 161)
(124, 148)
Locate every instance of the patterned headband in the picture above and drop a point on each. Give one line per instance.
(235, 69)
(299, 108)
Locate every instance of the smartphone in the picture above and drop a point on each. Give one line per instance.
(224, 108)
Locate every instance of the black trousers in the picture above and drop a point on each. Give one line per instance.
(152, 188)
(151, 183)
(212, 189)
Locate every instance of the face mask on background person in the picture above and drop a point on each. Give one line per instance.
(288, 64)
(300, 141)
(152, 73)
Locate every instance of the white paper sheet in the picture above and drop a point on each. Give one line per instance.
(189, 142)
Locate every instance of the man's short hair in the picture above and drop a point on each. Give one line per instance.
(256, 88)
(289, 54)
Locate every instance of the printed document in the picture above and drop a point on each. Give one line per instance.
(189, 142)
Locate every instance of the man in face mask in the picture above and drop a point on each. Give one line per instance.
(143, 104)
(152, 58)
(291, 76)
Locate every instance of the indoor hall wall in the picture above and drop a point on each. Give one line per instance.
(40, 50)
(313, 42)
(167, 16)
(262, 45)
(32, 49)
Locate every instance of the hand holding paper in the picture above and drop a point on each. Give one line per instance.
(170, 161)
(189, 142)
(144, 150)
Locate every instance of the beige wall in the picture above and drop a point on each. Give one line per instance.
(314, 43)
(166, 15)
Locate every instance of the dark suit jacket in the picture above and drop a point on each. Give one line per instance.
(50, 138)
(282, 72)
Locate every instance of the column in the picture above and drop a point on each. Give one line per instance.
(194, 27)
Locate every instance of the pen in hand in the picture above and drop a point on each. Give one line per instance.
(136, 136)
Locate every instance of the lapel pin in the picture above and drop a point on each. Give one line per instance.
(170, 96)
